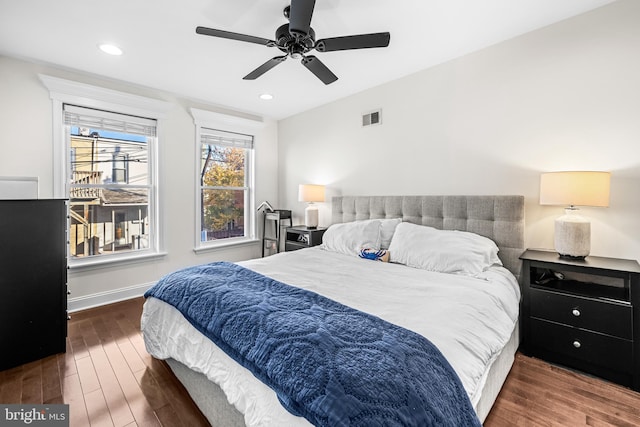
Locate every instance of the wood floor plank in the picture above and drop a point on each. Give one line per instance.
(614, 396)
(89, 334)
(76, 340)
(599, 409)
(138, 344)
(51, 384)
(137, 401)
(32, 383)
(116, 402)
(72, 395)
(512, 414)
(11, 387)
(97, 409)
(103, 331)
(66, 362)
(151, 389)
(169, 417)
(537, 400)
(169, 403)
(131, 356)
(87, 374)
(593, 422)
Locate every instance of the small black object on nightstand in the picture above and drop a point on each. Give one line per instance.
(583, 314)
(299, 237)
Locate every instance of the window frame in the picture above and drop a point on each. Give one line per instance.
(62, 92)
(216, 121)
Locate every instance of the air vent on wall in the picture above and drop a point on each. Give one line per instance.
(372, 118)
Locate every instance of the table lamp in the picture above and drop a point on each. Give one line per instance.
(572, 238)
(311, 193)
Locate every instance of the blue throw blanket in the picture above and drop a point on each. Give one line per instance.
(329, 363)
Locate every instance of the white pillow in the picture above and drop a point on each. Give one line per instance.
(387, 228)
(351, 237)
(445, 251)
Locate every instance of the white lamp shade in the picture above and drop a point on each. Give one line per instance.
(583, 188)
(310, 193)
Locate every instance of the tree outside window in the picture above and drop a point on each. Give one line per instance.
(224, 189)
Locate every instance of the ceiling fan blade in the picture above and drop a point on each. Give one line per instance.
(264, 67)
(300, 17)
(233, 36)
(321, 71)
(361, 41)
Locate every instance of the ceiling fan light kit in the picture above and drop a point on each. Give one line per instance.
(296, 39)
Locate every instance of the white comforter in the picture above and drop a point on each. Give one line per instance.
(469, 319)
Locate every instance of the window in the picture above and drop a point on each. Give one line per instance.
(109, 181)
(224, 184)
(120, 166)
(105, 164)
(225, 180)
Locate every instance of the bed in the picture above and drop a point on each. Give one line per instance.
(467, 314)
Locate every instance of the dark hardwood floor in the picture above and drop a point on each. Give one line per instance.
(106, 376)
(108, 379)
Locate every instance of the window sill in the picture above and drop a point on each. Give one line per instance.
(225, 245)
(106, 262)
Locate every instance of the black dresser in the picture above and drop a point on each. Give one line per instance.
(33, 280)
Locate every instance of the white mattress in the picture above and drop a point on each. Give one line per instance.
(469, 319)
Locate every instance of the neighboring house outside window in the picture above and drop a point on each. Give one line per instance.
(120, 166)
(225, 188)
(105, 156)
(108, 210)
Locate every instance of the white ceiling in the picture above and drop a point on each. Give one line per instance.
(162, 50)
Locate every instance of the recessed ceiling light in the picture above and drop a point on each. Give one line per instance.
(266, 96)
(110, 49)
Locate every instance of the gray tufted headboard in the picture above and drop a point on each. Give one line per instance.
(500, 218)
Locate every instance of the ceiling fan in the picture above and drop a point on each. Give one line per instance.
(297, 38)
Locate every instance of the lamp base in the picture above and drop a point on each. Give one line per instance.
(572, 237)
(311, 216)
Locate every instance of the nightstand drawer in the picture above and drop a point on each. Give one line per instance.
(600, 350)
(294, 246)
(599, 316)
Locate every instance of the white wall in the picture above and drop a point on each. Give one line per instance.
(26, 150)
(566, 97)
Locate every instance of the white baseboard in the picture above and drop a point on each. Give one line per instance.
(102, 298)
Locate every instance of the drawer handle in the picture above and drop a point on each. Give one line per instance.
(577, 344)
(576, 312)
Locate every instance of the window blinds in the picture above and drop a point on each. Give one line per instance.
(227, 139)
(98, 119)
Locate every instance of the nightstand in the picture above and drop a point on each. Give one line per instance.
(584, 314)
(299, 237)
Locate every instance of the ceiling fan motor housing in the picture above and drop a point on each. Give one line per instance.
(288, 43)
